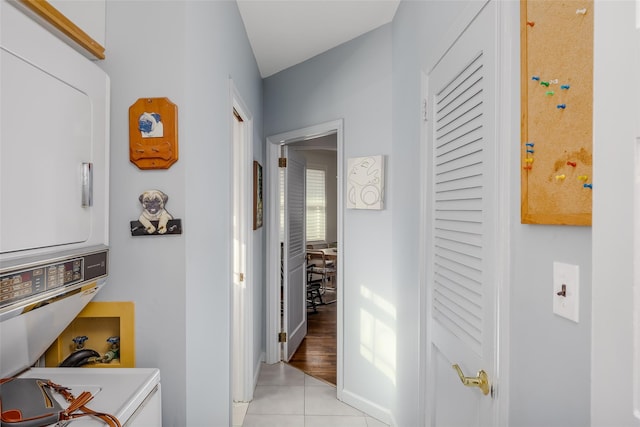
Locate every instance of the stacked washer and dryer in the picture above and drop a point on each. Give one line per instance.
(54, 223)
(41, 296)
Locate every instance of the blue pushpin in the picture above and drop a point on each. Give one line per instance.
(536, 78)
(530, 151)
(565, 87)
(529, 144)
(588, 186)
(561, 106)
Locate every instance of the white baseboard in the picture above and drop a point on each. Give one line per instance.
(371, 409)
(257, 368)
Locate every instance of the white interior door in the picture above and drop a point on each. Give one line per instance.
(294, 318)
(239, 260)
(461, 228)
(242, 336)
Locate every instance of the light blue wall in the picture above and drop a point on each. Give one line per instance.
(615, 227)
(353, 82)
(408, 30)
(149, 271)
(186, 51)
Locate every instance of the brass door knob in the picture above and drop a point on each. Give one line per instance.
(481, 380)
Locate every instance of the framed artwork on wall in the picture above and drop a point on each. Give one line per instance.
(153, 133)
(258, 202)
(155, 220)
(365, 182)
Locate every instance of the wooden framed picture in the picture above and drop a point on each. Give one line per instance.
(153, 133)
(258, 202)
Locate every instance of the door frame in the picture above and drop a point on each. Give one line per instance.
(242, 312)
(272, 222)
(508, 130)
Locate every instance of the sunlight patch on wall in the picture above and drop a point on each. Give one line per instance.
(380, 302)
(377, 333)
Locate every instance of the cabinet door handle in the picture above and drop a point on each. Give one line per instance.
(87, 185)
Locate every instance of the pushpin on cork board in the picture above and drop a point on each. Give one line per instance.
(557, 111)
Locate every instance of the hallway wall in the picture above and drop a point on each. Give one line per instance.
(186, 51)
(615, 232)
(353, 82)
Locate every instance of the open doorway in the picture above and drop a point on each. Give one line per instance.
(316, 355)
(275, 271)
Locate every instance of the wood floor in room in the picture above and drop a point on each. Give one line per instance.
(317, 354)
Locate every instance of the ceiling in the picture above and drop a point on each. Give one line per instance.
(284, 33)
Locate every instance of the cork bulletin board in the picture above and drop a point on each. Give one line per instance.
(557, 110)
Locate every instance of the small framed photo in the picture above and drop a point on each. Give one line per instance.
(153, 133)
(258, 202)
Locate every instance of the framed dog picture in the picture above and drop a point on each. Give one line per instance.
(258, 202)
(153, 133)
(155, 219)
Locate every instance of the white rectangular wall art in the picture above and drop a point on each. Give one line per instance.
(365, 182)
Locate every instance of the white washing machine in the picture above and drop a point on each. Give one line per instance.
(131, 394)
(39, 297)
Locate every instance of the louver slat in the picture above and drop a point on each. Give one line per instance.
(458, 204)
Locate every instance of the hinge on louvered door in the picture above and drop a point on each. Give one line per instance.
(242, 277)
(425, 110)
(282, 337)
(282, 162)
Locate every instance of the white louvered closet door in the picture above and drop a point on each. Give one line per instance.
(461, 151)
(295, 295)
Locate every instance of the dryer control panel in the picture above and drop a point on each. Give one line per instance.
(24, 283)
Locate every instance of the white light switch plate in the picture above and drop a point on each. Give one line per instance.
(569, 305)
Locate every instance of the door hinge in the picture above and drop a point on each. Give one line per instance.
(242, 277)
(282, 337)
(425, 110)
(282, 162)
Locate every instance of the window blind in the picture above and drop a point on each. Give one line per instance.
(316, 205)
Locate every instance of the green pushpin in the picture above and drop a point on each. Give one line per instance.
(550, 92)
(545, 84)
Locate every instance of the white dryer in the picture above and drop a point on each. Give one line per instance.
(39, 297)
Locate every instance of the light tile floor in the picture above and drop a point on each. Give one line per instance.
(287, 397)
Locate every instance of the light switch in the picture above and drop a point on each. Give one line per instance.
(566, 295)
